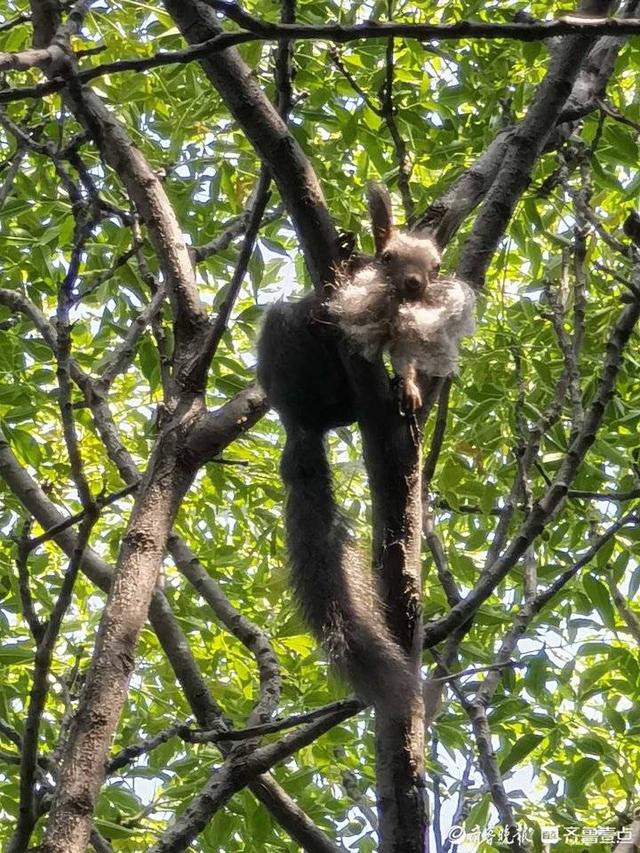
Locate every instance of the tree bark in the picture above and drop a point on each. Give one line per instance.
(166, 481)
(392, 456)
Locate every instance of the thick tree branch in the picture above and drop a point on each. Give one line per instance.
(166, 481)
(99, 572)
(268, 133)
(490, 770)
(174, 644)
(208, 441)
(445, 215)
(523, 149)
(631, 620)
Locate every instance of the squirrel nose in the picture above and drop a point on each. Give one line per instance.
(413, 284)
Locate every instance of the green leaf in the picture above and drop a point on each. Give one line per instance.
(580, 775)
(519, 751)
(15, 655)
(601, 598)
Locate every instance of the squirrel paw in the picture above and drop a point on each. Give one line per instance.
(410, 398)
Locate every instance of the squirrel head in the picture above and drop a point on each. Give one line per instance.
(408, 261)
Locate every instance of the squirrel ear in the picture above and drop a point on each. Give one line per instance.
(379, 202)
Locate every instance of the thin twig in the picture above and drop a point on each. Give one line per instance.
(542, 599)
(128, 754)
(618, 116)
(99, 278)
(354, 706)
(100, 502)
(22, 560)
(387, 111)
(248, 244)
(124, 353)
(266, 31)
(234, 774)
(437, 439)
(336, 58)
(236, 227)
(631, 620)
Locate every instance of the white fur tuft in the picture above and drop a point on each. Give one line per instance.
(425, 333)
(361, 307)
(428, 333)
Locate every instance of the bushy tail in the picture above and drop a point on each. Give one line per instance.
(336, 596)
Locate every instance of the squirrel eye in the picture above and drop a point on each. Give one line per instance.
(386, 257)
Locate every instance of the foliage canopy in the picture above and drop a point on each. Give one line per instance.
(564, 717)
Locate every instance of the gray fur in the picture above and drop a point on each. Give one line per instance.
(398, 303)
(335, 594)
(395, 302)
(306, 384)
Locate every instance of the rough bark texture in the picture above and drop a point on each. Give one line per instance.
(392, 455)
(206, 712)
(445, 215)
(165, 484)
(524, 147)
(113, 660)
(162, 619)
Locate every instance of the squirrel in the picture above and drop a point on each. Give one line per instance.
(392, 301)
(397, 302)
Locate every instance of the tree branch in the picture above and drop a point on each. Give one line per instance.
(268, 133)
(174, 645)
(523, 149)
(39, 690)
(208, 441)
(235, 774)
(589, 23)
(446, 214)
